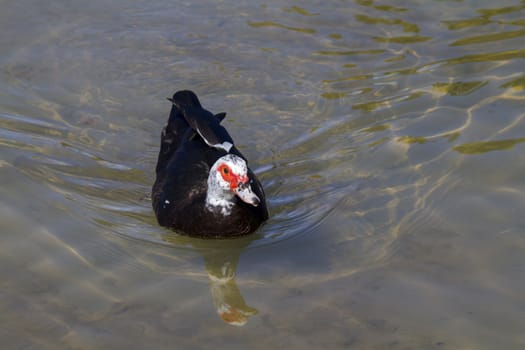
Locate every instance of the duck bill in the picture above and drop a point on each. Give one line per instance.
(245, 193)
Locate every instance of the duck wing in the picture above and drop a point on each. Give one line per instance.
(205, 123)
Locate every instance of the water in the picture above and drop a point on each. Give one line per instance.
(388, 135)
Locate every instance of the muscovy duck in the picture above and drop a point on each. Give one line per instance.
(204, 187)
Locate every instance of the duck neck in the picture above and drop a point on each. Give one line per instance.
(218, 200)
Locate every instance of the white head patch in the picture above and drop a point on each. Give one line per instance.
(229, 178)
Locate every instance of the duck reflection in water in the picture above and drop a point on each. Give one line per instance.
(227, 298)
(221, 258)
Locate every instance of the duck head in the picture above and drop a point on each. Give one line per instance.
(228, 178)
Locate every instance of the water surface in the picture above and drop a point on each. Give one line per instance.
(388, 136)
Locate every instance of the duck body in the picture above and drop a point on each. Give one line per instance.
(203, 185)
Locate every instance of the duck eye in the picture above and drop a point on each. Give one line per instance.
(225, 171)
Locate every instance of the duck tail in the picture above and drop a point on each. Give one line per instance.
(180, 101)
(173, 133)
(185, 98)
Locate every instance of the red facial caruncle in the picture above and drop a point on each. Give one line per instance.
(229, 176)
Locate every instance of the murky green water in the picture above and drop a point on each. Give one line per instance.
(388, 135)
